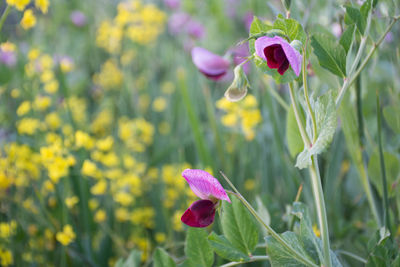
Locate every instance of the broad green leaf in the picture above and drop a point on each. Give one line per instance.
(392, 117)
(291, 27)
(293, 136)
(197, 248)
(263, 213)
(365, 8)
(347, 37)
(326, 120)
(353, 15)
(392, 166)
(382, 250)
(257, 27)
(224, 248)
(162, 259)
(238, 226)
(279, 256)
(331, 55)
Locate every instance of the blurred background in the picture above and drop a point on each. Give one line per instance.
(102, 108)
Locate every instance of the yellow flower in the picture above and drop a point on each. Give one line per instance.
(110, 76)
(122, 214)
(99, 188)
(89, 169)
(42, 103)
(317, 232)
(67, 236)
(82, 139)
(51, 87)
(159, 104)
(43, 5)
(160, 237)
(33, 54)
(250, 184)
(19, 4)
(66, 65)
(47, 76)
(71, 201)
(100, 216)
(28, 20)
(6, 257)
(24, 108)
(28, 126)
(105, 144)
(123, 198)
(53, 121)
(15, 93)
(8, 47)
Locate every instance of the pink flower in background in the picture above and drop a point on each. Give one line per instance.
(211, 65)
(195, 29)
(177, 22)
(279, 54)
(202, 212)
(8, 58)
(240, 54)
(248, 19)
(78, 18)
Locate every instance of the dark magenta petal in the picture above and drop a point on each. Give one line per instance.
(269, 53)
(283, 67)
(279, 55)
(200, 214)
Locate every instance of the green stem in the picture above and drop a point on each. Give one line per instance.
(4, 16)
(386, 218)
(252, 259)
(354, 256)
(321, 211)
(303, 133)
(305, 86)
(348, 82)
(274, 234)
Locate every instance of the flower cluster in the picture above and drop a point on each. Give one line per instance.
(242, 115)
(28, 19)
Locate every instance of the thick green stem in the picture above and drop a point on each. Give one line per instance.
(316, 186)
(352, 77)
(274, 234)
(303, 133)
(321, 211)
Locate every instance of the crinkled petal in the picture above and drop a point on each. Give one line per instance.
(291, 53)
(200, 214)
(204, 185)
(210, 64)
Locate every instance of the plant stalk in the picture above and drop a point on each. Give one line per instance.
(4, 16)
(252, 259)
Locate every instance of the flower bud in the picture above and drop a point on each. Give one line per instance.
(238, 89)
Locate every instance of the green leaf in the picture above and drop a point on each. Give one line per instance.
(392, 117)
(330, 55)
(197, 248)
(326, 120)
(293, 136)
(224, 248)
(257, 27)
(347, 37)
(392, 166)
(278, 254)
(162, 259)
(291, 27)
(238, 226)
(353, 15)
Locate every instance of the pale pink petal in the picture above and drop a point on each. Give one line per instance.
(204, 185)
(210, 64)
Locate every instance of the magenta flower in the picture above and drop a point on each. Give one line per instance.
(279, 54)
(202, 212)
(78, 18)
(211, 65)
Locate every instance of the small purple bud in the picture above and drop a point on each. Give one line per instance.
(195, 29)
(211, 65)
(78, 18)
(8, 58)
(337, 29)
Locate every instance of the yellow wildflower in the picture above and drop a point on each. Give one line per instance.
(71, 201)
(42, 103)
(67, 236)
(19, 4)
(28, 20)
(6, 257)
(43, 5)
(24, 108)
(100, 216)
(159, 104)
(28, 126)
(99, 188)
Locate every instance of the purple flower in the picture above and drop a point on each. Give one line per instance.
(177, 22)
(201, 213)
(279, 54)
(211, 65)
(78, 18)
(248, 19)
(195, 29)
(8, 58)
(172, 4)
(240, 54)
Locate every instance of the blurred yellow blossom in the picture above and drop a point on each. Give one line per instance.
(42, 103)
(43, 5)
(71, 201)
(159, 104)
(28, 20)
(28, 126)
(67, 236)
(100, 216)
(99, 188)
(24, 108)
(6, 257)
(19, 4)
(110, 76)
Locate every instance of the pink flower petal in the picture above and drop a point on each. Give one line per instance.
(200, 214)
(292, 55)
(210, 64)
(204, 185)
